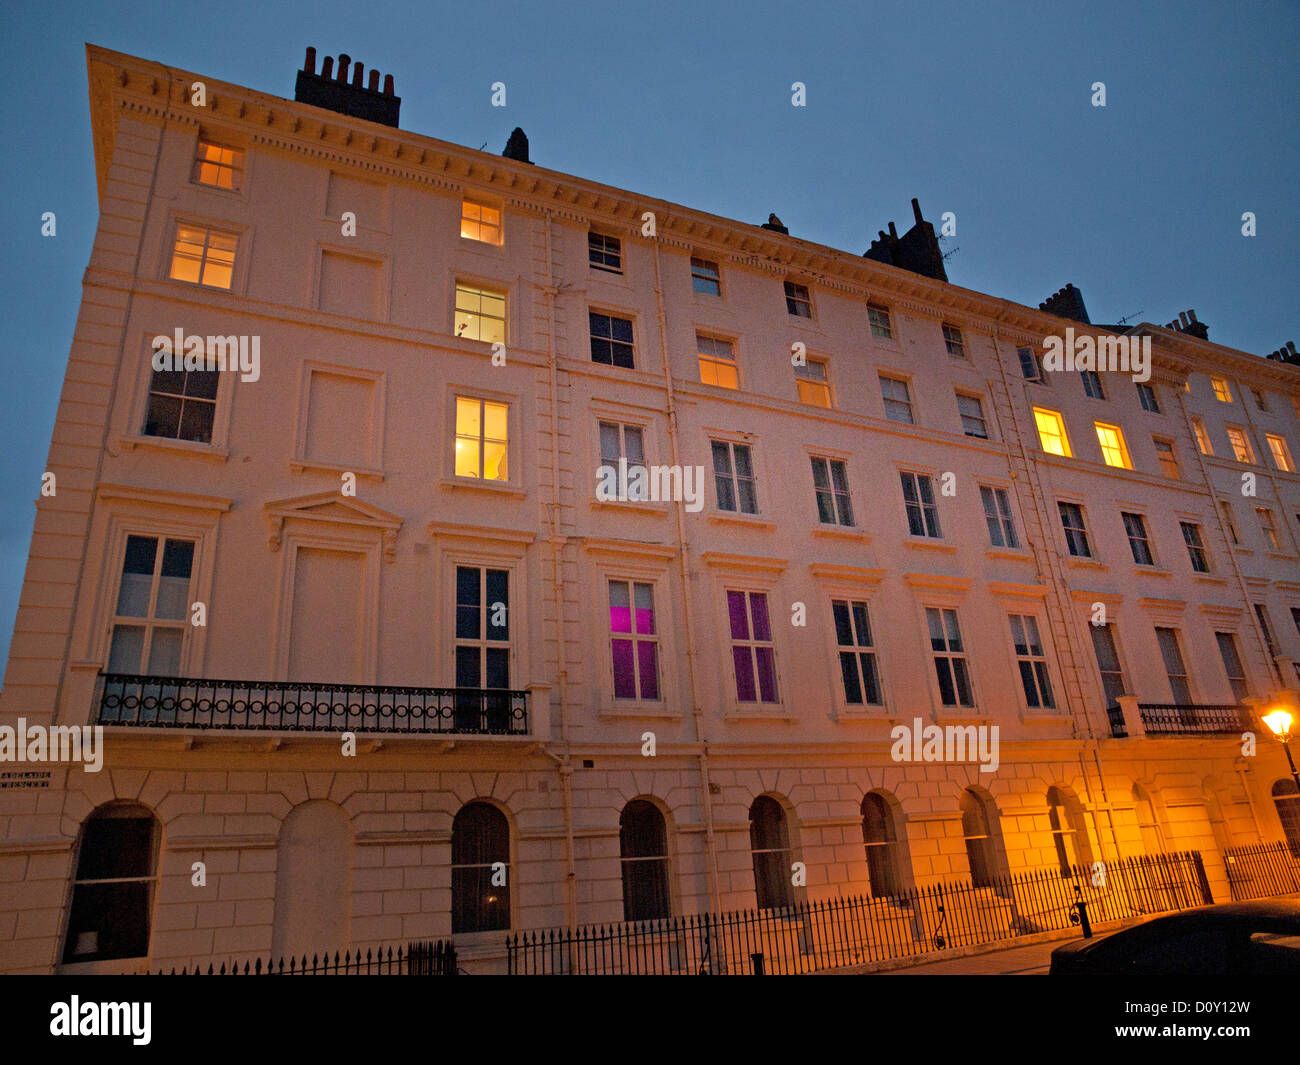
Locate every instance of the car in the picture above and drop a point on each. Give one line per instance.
(1260, 938)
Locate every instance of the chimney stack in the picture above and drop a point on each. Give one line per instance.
(916, 250)
(517, 147)
(333, 90)
(1067, 303)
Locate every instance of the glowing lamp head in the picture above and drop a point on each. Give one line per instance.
(1279, 723)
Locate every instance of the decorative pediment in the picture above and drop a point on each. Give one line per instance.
(331, 508)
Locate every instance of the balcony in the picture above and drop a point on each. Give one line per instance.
(280, 706)
(1185, 719)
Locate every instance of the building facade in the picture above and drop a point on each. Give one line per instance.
(557, 554)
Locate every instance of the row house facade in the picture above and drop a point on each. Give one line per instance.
(379, 656)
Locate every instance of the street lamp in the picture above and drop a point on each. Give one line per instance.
(1279, 723)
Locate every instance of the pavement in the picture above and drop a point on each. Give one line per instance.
(1032, 960)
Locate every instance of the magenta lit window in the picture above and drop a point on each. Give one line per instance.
(634, 640)
(753, 657)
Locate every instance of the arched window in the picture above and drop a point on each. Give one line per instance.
(880, 837)
(769, 843)
(313, 891)
(112, 895)
(978, 825)
(480, 869)
(643, 846)
(1152, 838)
(1069, 831)
(1287, 802)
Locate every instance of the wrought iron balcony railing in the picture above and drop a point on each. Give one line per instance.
(279, 706)
(1194, 719)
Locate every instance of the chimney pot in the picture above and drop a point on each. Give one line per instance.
(309, 64)
(344, 60)
(1191, 315)
(388, 85)
(374, 80)
(358, 71)
(1290, 346)
(892, 231)
(1182, 317)
(327, 67)
(916, 210)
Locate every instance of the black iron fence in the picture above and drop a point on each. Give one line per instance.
(419, 959)
(1194, 719)
(186, 702)
(852, 930)
(1262, 870)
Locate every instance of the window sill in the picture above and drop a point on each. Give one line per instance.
(880, 714)
(368, 473)
(176, 447)
(777, 714)
(106, 967)
(632, 506)
(726, 517)
(841, 532)
(1017, 553)
(1282, 556)
(500, 488)
(1152, 571)
(1209, 578)
(632, 710)
(1085, 563)
(930, 543)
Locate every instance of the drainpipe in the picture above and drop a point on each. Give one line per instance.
(684, 556)
(562, 762)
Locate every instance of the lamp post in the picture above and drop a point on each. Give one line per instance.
(1279, 723)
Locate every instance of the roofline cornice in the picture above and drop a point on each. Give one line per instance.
(122, 82)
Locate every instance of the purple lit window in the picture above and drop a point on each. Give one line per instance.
(634, 640)
(752, 654)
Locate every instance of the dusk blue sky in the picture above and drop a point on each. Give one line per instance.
(982, 109)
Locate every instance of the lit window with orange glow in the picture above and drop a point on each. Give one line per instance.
(1281, 453)
(1241, 449)
(810, 380)
(481, 436)
(1222, 391)
(1113, 450)
(479, 221)
(203, 256)
(1051, 432)
(220, 167)
(1202, 437)
(717, 362)
(480, 313)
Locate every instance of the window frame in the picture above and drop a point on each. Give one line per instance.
(1196, 549)
(482, 203)
(596, 234)
(716, 361)
(482, 289)
(953, 339)
(703, 277)
(947, 655)
(878, 331)
(1148, 397)
(841, 500)
(1134, 540)
(1039, 662)
(962, 416)
(592, 338)
(1241, 444)
(1057, 420)
(793, 298)
(239, 168)
(1081, 530)
(1280, 452)
(1166, 447)
(239, 256)
(824, 382)
(927, 509)
(1004, 520)
(1118, 445)
(886, 399)
(636, 638)
(733, 476)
